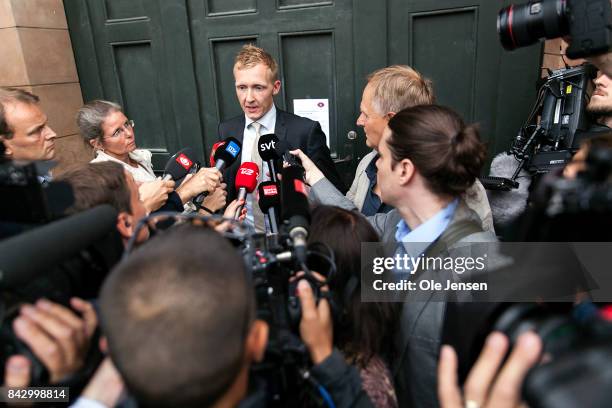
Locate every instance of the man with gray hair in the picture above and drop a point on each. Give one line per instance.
(23, 126)
(388, 91)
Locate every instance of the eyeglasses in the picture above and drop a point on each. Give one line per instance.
(129, 124)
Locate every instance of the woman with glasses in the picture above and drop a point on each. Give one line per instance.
(106, 128)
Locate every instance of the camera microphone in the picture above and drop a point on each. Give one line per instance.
(246, 181)
(29, 254)
(295, 212)
(269, 202)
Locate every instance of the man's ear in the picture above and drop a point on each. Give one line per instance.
(103, 344)
(276, 87)
(407, 171)
(257, 340)
(125, 225)
(389, 115)
(7, 149)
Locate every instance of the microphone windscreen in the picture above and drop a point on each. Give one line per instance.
(229, 152)
(294, 195)
(269, 196)
(246, 177)
(31, 253)
(267, 147)
(506, 206)
(214, 151)
(180, 163)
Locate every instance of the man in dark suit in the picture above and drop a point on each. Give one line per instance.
(256, 78)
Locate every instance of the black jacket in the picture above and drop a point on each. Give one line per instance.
(298, 132)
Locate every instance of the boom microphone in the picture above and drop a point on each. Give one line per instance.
(179, 164)
(246, 181)
(267, 152)
(269, 202)
(31, 253)
(295, 212)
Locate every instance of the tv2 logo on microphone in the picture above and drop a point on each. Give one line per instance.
(184, 161)
(267, 146)
(247, 172)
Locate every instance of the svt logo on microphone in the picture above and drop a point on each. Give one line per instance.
(270, 191)
(267, 146)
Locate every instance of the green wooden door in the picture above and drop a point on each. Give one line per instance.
(138, 53)
(170, 61)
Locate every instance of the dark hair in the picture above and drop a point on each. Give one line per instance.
(176, 314)
(365, 328)
(447, 153)
(11, 95)
(98, 183)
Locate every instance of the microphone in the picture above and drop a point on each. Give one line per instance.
(295, 212)
(269, 202)
(30, 253)
(507, 205)
(267, 152)
(179, 164)
(224, 155)
(246, 181)
(214, 150)
(227, 153)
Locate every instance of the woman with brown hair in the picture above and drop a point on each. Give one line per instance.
(362, 330)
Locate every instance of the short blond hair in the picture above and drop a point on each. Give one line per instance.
(251, 55)
(399, 87)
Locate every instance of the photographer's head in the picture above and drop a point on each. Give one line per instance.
(388, 91)
(179, 316)
(23, 126)
(108, 183)
(105, 127)
(428, 154)
(600, 104)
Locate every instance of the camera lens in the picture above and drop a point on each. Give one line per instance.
(525, 24)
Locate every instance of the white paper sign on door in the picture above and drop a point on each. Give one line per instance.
(315, 109)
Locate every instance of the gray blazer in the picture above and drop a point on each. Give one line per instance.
(324, 192)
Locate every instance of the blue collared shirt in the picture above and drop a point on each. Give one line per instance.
(372, 203)
(415, 242)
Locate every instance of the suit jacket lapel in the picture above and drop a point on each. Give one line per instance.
(280, 130)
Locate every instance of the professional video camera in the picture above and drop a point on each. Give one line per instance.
(576, 358)
(587, 22)
(43, 255)
(555, 127)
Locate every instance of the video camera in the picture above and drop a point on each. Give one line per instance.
(587, 22)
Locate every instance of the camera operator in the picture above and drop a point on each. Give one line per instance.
(179, 317)
(23, 126)
(104, 126)
(600, 105)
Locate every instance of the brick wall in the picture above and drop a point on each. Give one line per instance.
(37, 56)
